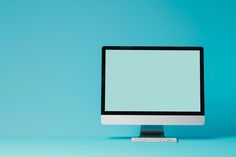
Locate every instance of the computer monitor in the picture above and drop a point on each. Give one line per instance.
(152, 86)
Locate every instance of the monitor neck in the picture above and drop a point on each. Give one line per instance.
(152, 131)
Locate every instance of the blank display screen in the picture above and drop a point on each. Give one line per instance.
(152, 80)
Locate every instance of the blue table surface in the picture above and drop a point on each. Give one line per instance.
(113, 146)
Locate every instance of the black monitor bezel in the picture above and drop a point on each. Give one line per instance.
(104, 112)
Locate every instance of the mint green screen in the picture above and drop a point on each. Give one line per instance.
(152, 80)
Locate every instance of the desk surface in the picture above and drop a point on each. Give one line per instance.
(115, 147)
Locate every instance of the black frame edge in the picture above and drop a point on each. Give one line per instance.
(202, 101)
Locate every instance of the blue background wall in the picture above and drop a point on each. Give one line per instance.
(50, 57)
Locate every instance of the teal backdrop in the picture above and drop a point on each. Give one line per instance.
(50, 60)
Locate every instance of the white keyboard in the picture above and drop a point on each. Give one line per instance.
(154, 139)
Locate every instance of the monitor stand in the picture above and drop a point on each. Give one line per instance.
(151, 131)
